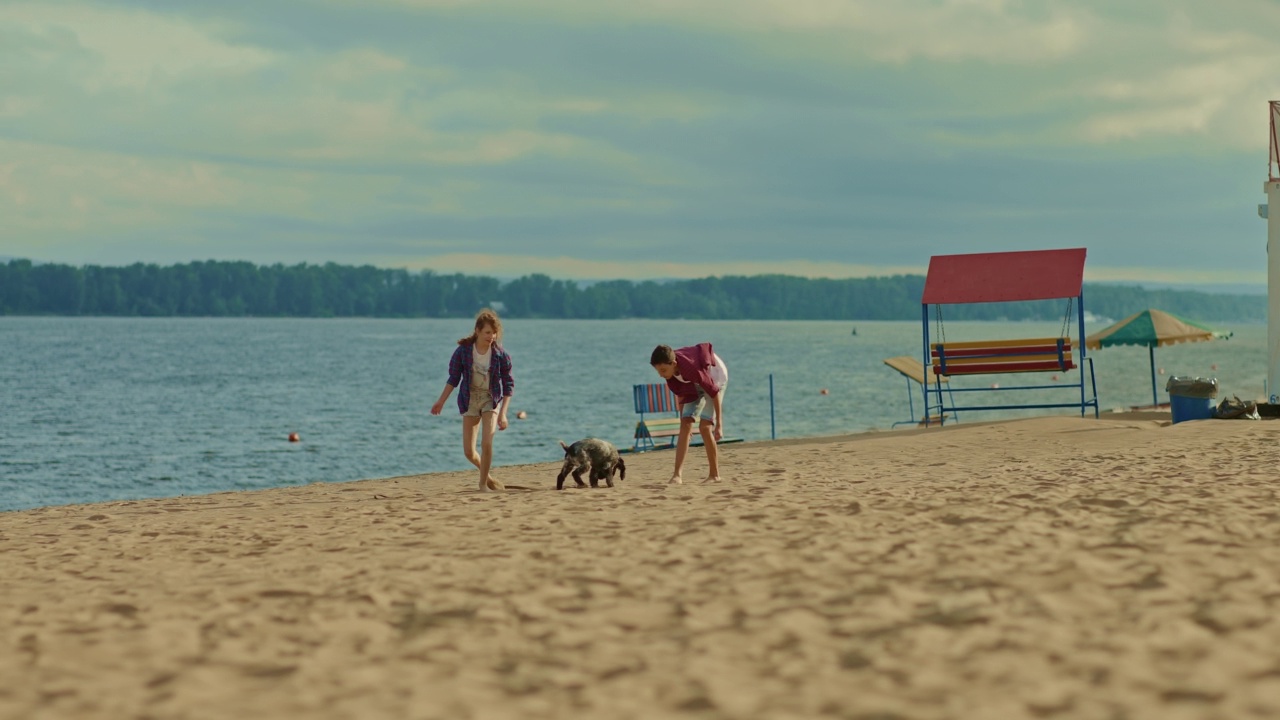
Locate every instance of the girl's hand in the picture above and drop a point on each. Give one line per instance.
(435, 409)
(502, 421)
(719, 435)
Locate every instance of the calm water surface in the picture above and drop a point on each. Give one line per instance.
(95, 409)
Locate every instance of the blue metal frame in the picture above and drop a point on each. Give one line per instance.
(912, 405)
(943, 409)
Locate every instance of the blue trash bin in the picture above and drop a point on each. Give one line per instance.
(1190, 408)
(1191, 398)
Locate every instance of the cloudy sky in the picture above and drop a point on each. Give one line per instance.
(640, 138)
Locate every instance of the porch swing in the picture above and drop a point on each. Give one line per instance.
(1005, 277)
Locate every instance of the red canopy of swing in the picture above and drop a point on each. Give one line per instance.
(1004, 277)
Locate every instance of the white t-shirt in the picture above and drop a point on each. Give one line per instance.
(480, 367)
(719, 372)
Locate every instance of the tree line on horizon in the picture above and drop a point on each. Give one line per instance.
(243, 289)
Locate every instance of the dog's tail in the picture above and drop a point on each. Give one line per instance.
(622, 470)
(566, 447)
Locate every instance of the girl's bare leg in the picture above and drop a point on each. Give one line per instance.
(470, 425)
(489, 425)
(471, 429)
(708, 431)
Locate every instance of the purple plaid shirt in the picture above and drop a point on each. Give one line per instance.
(501, 384)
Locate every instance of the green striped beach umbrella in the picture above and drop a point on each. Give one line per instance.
(1152, 329)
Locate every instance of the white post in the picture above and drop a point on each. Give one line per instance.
(1272, 189)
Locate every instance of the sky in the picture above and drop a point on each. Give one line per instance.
(601, 139)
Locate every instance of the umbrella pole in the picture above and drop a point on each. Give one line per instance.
(1155, 399)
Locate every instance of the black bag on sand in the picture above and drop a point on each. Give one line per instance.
(1234, 408)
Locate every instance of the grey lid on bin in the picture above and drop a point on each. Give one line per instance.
(1192, 387)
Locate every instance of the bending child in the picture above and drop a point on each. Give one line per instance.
(697, 377)
(480, 361)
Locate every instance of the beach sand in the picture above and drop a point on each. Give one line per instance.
(1059, 567)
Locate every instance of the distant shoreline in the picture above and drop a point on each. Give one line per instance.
(239, 289)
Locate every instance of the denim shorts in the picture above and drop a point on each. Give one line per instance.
(703, 407)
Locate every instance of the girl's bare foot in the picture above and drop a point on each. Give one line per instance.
(675, 480)
(493, 484)
(712, 479)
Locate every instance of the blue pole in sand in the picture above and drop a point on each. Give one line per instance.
(773, 428)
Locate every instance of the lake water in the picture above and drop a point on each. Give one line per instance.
(95, 409)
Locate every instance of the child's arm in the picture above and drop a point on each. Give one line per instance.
(507, 380)
(508, 388)
(444, 395)
(455, 377)
(717, 402)
(502, 412)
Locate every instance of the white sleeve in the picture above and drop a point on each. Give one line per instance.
(719, 372)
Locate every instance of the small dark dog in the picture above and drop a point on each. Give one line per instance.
(598, 456)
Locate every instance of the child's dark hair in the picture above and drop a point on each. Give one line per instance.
(662, 355)
(484, 317)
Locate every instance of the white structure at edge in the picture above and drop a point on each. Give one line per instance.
(1272, 189)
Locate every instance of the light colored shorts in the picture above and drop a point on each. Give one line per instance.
(703, 407)
(481, 402)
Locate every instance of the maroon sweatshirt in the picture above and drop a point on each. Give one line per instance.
(691, 364)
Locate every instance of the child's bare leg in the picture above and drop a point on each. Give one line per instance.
(489, 425)
(682, 449)
(708, 431)
(470, 428)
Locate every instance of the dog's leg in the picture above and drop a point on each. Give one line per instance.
(577, 477)
(560, 479)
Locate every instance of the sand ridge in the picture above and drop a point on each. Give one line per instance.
(1050, 567)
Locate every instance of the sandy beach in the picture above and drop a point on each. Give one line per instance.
(1122, 568)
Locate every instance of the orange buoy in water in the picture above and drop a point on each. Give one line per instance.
(1160, 371)
(1213, 366)
(293, 437)
(1054, 378)
(995, 386)
(823, 391)
(522, 415)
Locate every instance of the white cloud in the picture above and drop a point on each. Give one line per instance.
(131, 48)
(1098, 72)
(121, 119)
(55, 199)
(317, 114)
(563, 267)
(995, 30)
(1178, 276)
(569, 267)
(362, 105)
(1187, 76)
